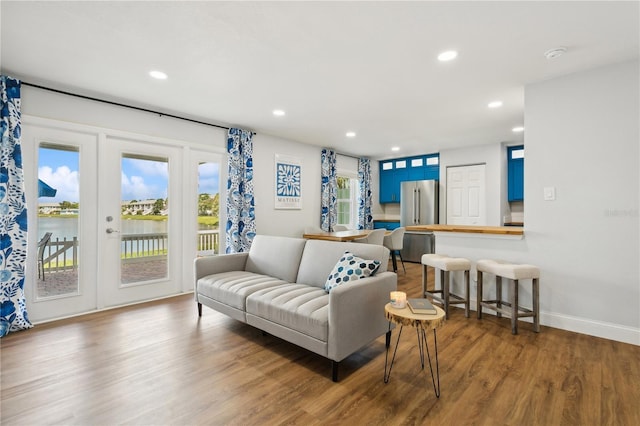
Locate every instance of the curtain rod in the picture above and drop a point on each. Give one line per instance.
(345, 155)
(37, 86)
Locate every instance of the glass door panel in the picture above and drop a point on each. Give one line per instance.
(58, 255)
(208, 208)
(144, 218)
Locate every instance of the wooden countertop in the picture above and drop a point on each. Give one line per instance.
(337, 236)
(471, 229)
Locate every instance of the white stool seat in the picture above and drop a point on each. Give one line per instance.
(513, 272)
(446, 263)
(508, 270)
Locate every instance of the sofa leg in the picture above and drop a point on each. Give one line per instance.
(387, 342)
(334, 370)
(199, 309)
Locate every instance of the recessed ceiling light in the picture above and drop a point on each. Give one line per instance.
(555, 52)
(495, 104)
(395, 148)
(278, 112)
(159, 75)
(518, 129)
(447, 56)
(351, 134)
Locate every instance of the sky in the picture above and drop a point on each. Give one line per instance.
(140, 179)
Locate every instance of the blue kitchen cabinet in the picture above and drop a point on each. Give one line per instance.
(390, 178)
(515, 173)
(389, 225)
(395, 171)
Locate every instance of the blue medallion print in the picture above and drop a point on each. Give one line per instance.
(288, 180)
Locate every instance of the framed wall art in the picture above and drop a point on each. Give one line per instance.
(288, 172)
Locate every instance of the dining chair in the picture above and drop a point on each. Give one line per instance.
(42, 244)
(375, 237)
(394, 242)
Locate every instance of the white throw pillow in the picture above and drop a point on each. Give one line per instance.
(350, 268)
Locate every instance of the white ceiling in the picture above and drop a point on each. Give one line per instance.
(367, 67)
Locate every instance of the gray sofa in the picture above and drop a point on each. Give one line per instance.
(278, 287)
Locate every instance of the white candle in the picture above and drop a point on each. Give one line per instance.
(398, 299)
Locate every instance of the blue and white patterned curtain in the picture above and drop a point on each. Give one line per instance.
(241, 225)
(13, 213)
(365, 219)
(329, 191)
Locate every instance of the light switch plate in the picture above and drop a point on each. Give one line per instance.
(549, 193)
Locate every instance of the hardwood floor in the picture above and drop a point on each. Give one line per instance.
(159, 364)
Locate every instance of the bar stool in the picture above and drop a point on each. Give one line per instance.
(446, 265)
(513, 273)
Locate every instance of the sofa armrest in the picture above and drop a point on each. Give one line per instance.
(356, 313)
(208, 265)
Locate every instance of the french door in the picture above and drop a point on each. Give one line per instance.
(139, 220)
(112, 217)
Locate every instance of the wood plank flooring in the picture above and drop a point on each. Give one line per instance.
(159, 364)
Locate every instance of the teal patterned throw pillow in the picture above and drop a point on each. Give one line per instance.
(350, 268)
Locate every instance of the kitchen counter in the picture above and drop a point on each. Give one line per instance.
(468, 229)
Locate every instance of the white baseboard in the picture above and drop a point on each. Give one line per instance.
(591, 327)
(605, 330)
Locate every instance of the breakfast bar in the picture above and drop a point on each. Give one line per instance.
(505, 243)
(469, 229)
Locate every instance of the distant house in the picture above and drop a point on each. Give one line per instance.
(145, 207)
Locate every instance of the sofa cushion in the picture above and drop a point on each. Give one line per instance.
(232, 288)
(320, 257)
(278, 257)
(296, 306)
(350, 268)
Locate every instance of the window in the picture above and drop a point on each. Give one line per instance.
(208, 208)
(416, 162)
(348, 201)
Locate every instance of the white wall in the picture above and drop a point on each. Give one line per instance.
(290, 223)
(582, 134)
(40, 103)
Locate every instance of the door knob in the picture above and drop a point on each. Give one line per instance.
(111, 230)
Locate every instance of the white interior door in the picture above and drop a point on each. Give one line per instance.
(139, 220)
(466, 195)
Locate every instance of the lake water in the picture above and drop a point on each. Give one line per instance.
(67, 227)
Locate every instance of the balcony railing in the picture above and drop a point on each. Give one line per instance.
(61, 255)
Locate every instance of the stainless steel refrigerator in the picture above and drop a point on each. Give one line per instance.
(418, 206)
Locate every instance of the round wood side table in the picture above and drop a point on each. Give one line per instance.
(422, 323)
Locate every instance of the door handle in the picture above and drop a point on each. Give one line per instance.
(111, 230)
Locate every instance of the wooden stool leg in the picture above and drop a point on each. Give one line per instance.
(466, 294)
(514, 308)
(479, 296)
(498, 295)
(444, 282)
(535, 293)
